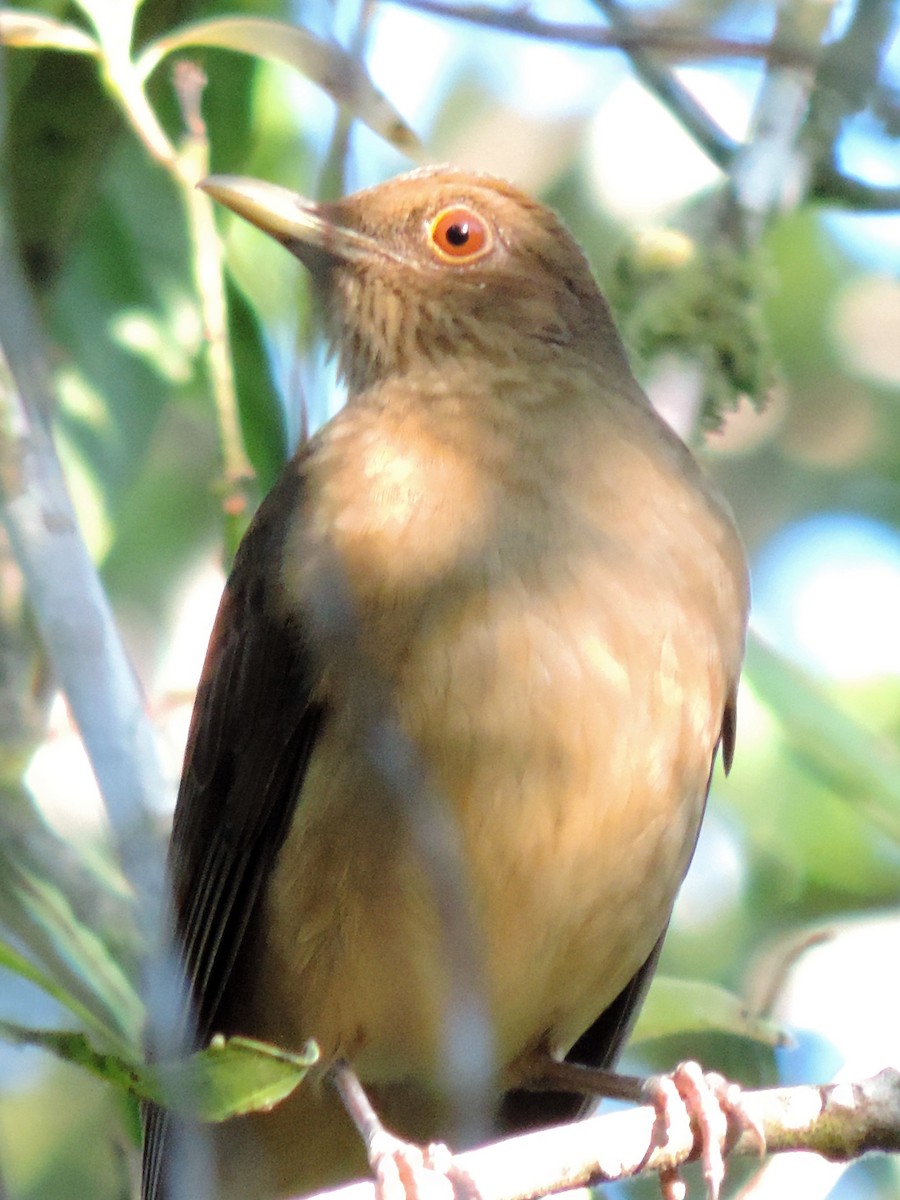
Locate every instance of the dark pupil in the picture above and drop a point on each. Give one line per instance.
(458, 234)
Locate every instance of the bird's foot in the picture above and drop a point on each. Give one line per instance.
(402, 1170)
(713, 1103)
(685, 1100)
(405, 1171)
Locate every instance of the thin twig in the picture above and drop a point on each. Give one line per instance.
(832, 186)
(847, 83)
(827, 182)
(192, 165)
(332, 179)
(675, 43)
(187, 164)
(667, 88)
(772, 171)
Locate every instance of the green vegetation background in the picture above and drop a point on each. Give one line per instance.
(101, 229)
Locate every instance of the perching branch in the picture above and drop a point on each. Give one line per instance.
(839, 1121)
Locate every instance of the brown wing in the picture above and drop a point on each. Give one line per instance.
(252, 732)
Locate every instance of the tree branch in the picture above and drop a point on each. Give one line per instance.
(640, 42)
(839, 1121)
(831, 186)
(677, 43)
(71, 608)
(658, 79)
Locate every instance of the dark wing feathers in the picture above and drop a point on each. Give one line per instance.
(252, 732)
(729, 731)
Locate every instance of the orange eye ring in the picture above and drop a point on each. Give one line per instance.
(459, 235)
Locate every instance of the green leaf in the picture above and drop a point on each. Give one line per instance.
(128, 281)
(77, 1048)
(675, 1006)
(326, 63)
(77, 968)
(262, 422)
(857, 765)
(54, 100)
(231, 1077)
(12, 960)
(701, 301)
(33, 31)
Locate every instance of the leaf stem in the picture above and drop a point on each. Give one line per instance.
(187, 164)
(193, 165)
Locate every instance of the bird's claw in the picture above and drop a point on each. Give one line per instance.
(405, 1171)
(713, 1103)
(402, 1170)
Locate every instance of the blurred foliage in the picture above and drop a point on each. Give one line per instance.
(702, 301)
(231, 1077)
(105, 231)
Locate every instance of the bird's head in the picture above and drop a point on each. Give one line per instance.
(433, 265)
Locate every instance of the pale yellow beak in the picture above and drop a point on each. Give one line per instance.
(299, 224)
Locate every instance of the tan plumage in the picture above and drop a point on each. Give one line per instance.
(557, 601)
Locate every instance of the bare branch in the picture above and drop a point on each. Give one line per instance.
(840, 1121)
(676, 43)
(77, 625)
(642, 42)
(72, 610)
(833, 187)
(668, 89)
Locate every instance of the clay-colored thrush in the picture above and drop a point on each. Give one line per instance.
(555, 599)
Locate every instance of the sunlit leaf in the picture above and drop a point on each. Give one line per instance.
(113, 20)
(857, 765)
(231, 1077)
(675, 1006)
(31, 30)
(77, 1048)
(326, 63)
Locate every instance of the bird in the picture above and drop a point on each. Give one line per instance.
(550, 599)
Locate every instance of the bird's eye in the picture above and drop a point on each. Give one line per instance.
(459, 235)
